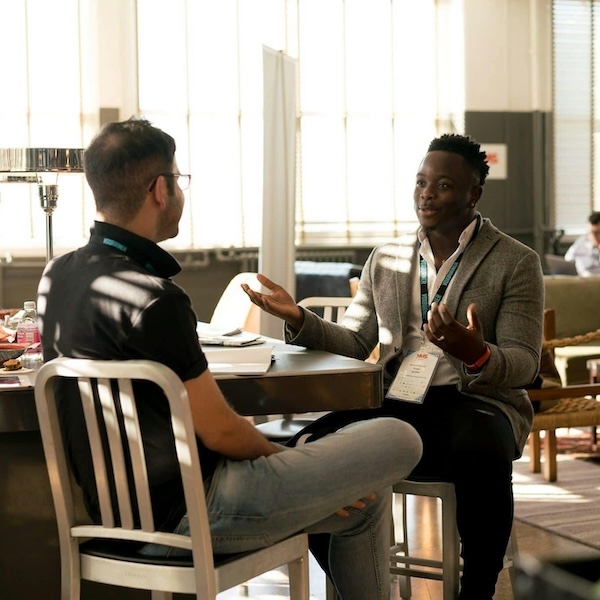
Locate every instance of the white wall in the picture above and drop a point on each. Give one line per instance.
(507, 47)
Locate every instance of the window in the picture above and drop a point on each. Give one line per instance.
(367, 109)
(366, 113)
(576, 112)
(41, 45)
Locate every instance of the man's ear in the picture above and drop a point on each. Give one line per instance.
(476, 192)
(160, 192)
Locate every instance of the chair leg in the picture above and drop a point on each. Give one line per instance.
(535, 462)
(298, 577)
(450, 549)
(404, 580)
(550, 453)
(330, 593)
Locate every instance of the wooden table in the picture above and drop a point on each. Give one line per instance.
(299, 380)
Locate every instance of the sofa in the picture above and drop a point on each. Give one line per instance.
(576, 302)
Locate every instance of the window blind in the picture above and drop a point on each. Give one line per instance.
(576, 136)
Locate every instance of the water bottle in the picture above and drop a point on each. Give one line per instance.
(27, 329)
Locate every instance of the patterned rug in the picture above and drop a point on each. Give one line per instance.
(569, 507)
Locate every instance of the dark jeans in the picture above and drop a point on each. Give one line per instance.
(467, 442)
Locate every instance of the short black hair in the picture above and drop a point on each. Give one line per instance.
(594, 218)
(121, 161)
(468, 148)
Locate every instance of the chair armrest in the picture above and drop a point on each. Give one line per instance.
(569, 391)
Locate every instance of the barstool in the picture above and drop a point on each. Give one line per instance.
(447, 570)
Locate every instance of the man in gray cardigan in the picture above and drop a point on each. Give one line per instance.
(457, 309)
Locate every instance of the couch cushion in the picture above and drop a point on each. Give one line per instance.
(576, 302)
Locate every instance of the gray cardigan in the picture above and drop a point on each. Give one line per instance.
(502, 276)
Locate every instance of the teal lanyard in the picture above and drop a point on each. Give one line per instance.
(445, 282)
(441, 290)
(125, 250)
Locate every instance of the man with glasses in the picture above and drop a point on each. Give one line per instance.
(585, 250)
(114, 299)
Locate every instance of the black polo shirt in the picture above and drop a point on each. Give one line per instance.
(113, 299)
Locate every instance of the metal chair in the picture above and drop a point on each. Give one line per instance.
(447, 569)
(285, 428)
(108, 552)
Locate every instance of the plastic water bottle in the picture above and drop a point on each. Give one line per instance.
(27, 329)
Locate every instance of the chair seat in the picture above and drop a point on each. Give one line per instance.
(130, 552)
(569, 412)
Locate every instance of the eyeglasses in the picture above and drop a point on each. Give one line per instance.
(183, 181)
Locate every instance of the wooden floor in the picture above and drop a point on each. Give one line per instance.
(424, 514)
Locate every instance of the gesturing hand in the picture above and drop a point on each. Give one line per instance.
(442, 329)
(278, 302)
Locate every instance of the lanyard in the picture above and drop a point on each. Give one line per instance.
(441, 290)
(125, 250)
(445, 282)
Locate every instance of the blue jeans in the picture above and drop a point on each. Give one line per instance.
(255, 503)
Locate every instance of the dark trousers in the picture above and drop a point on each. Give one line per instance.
(467, 442)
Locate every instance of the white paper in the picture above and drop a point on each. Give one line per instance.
(253, 360)
(215, 336)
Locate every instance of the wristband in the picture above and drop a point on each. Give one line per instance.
(478, 364)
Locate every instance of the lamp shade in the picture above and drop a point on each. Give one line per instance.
(36, 160)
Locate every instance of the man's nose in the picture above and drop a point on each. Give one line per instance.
(427, 191)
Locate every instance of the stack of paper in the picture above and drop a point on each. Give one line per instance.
(213, 336)
(254, 360)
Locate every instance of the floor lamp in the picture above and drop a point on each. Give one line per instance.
(31, 165)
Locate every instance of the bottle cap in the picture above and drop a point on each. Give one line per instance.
(29, 305)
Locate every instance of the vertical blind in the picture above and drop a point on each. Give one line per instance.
(576, 112)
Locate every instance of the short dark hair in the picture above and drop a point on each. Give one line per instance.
(594, 218)
(121, 161)
(468, 148)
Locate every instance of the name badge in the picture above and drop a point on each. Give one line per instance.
(414, 375)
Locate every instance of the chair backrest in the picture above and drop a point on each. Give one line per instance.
(108, 403)
(557, 265)
(332, 308)
(234, 309)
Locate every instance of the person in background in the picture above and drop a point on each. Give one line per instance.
(585, 250)
(457, 309)
(114, 299)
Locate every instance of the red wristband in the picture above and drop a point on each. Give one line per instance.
(478, 364)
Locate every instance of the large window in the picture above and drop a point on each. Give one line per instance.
(43, 104)
(366, 108)
(576, 112)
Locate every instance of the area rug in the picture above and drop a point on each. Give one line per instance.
(569, 507)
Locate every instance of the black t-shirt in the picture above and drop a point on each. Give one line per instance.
(113, 299)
